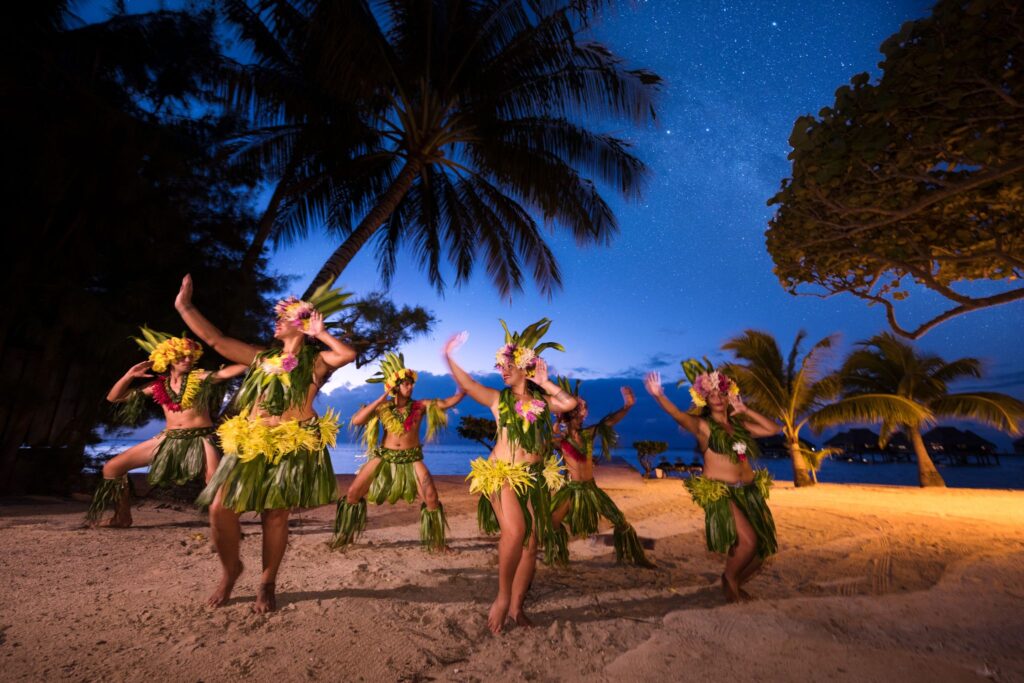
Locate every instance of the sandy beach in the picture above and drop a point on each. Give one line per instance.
(871, 583)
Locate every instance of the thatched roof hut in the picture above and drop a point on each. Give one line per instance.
(953, 440)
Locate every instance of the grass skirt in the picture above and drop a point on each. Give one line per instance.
(528, 482)
(395, 477)
(254, 482)
(180, 457)
(588, 504)
(751, 499)
(433, 524)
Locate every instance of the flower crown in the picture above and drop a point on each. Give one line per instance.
(393, 372)
(297, 312)
(704, 380)
(165, 350)
(521, 349)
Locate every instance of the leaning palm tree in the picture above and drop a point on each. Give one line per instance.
(793, 390)
(441, 125)
(887, 366)
(784, 390)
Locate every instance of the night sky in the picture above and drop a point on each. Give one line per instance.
(689, 268)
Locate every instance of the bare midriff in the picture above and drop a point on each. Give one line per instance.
(410, 439)
(718, 466)
(579, 470)
(503, 451)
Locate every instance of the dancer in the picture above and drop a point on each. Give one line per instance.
(581, 498)
(515, 481)
(184, 450)
(737, 520)
(395, 469)
(275, 449)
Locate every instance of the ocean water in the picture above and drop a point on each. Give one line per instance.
(455, 459)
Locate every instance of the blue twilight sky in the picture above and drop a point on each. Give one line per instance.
(689, 268)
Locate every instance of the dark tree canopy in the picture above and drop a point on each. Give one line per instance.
(113, 194)
(918, 178)
(479, 429)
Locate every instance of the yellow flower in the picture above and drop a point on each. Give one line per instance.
(289, 437)
(698, 400)
(191, 390)
(231, 433)
(734, 389)
(174, 350)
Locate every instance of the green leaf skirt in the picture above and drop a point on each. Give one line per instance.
(395, 477)
(588, 502)
(535, 503)
(751, 499)
(180, 457)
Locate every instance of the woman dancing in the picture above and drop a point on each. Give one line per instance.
(580, 498)
(737, 520)
(275, 449)
(395, 469)
(184, 450)
(514, 482)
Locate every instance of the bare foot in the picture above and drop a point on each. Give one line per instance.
(497, 615)
(521, 619)
(226, 585)
(116, 522)
(265, 600)
(730, 590)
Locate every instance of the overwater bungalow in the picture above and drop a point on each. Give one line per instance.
(775, 446)
(953, 446)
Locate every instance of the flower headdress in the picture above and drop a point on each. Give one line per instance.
(392, 372)
(326, 301)
(704, 379)
(521, 349)
(165, 350)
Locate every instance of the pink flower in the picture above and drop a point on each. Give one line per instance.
(530, 410)
(289, 362)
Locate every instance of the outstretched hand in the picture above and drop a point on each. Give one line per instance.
(453, 344)
(652, 382)
(628, 399)
(315, 325)
(140, 370)
(184, 298)
(540, 371)
(738, 406)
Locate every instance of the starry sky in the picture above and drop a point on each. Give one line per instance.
(689, 268)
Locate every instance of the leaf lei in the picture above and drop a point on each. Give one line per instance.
(277, 392)
(534, 437)
(397, 421)
(722, 442)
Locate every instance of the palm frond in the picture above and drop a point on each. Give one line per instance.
(990, 408)
(870, 408)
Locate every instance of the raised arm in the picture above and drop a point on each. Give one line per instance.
(652, 382)
(757, 424)
(227, 372)
(232, 349)
(559, 400)
(122, 387)
(451, 401)
(363, 415)
(628, 401)
(485, 396)
(338, 353)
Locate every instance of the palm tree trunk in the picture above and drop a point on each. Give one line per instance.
(801, 472)
(385, 206)
(262, 231)
(929, 476)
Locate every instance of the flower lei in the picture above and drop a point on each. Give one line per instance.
(174, 350)
(396, 378)
(166, 397)
(397, 421)
(738, 446)
(527, 422)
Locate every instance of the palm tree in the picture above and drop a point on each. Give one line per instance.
(887, 366)
(794, 391)
(443, 124)
(780, 389)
